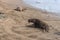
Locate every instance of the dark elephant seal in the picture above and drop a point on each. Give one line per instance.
(39, 24)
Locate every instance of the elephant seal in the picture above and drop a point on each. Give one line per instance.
(39, 24)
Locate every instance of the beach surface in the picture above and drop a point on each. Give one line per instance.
(13, 23)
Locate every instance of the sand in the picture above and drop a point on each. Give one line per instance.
(13, 24)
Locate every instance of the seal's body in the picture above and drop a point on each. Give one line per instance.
(39, 24)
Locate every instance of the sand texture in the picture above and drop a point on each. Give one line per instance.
(13, 24)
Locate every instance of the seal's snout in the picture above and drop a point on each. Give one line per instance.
(28, 20)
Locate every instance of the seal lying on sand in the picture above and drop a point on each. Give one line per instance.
(17, 9)
(20, 9)
(39, 24)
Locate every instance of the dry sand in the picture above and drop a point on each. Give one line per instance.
(13, 24)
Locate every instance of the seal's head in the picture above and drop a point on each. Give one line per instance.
(33, 20)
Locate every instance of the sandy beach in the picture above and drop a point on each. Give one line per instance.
(13, 23)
